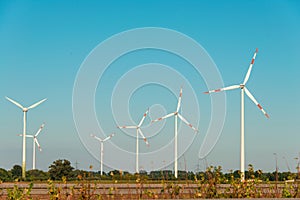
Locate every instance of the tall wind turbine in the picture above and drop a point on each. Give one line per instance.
(102, 149)
(35, 141)
(243, 91)
(138, 131)
(176, 115)
(25, 110)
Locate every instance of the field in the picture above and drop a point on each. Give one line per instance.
(146, 190)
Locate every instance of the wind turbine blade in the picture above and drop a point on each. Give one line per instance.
(187, 123)
(94, 136)
(250, 67)
(256, 103)
(121, 127)
(144, 116)
(30, 136)
(40, 129)
(144, 138)
(164, 117)
(14, 102)
(223, 89)
(36, 104)
(36, 141)
(179, 100)
(110, 136)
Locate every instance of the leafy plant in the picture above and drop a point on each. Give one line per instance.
(18, 194)
(54, 192)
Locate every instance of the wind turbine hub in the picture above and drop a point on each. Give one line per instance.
(176, 113)
(242, 86)
(25, 109)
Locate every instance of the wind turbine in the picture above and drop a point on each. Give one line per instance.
(35, 141)
(243, 91)
(101, 149)
(176, 115)
(138, 131)
(287, 164)
(25, 110)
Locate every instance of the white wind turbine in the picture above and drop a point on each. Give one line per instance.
(243, 90)
(102, 149)
(138, 131)
(35, 141)
(25, 110)
(176, 115)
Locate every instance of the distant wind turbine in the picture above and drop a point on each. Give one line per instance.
(35, 141)
(287, 164)
(138, 131)
(176, 115)
(102, 149)
(243, 90)
(25, 110)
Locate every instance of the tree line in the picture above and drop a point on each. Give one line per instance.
(62, 169)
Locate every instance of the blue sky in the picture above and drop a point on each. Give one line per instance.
(43, 45)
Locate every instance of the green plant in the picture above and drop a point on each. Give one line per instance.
(1, 190)
(53, 191)
(19, 194)
(297, 190)
(60, 168)
(286, 191)
(174, 190)
(209, 181)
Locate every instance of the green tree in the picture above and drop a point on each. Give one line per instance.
(60, 168)
(4, 175)
(16, 172)
(36, 175)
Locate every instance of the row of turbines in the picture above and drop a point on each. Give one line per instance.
(139, 132)
(175, 114)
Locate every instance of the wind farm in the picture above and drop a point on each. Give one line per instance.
(176, 114)
(149, 99)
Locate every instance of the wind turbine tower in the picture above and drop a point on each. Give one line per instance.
(138, 132)
(25, 110)
(101, 149)
(176, 114)
(35, 142)
(244, 90)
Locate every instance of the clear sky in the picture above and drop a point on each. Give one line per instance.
(44, 46)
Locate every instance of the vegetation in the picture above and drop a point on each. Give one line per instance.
(18, 194)
(37, 175)
(63, 168)
(63, 182)
(16, 172)
(4, 175)
(59, 169)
